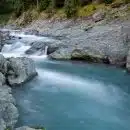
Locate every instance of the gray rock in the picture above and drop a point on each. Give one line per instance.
(2, 124)
(107, 42)
(62, 54)
(36, 47)
(3, 64)
(20, 70)
(26, 128)
(39, 47)
(2, 79)
(128, 62)
(98, 16)
(32, 32)
(8, 111)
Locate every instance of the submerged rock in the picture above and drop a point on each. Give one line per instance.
(20, 70)
(27, 128)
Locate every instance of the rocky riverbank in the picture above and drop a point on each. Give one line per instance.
(13, 72)
(79, 40)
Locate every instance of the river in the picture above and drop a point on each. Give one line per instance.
(73, 95)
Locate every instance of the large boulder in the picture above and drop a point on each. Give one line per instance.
(20, 70)
(107, 44)
(38, 47)
(8, 111)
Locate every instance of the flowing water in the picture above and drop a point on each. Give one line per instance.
(74, 96)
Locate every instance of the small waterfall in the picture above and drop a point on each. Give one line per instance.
(46, 49)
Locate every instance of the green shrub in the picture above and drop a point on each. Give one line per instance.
(70, 7)
(126, 1)
(44, 4)
(108, 1)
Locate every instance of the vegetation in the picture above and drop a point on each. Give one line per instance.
(55, 8)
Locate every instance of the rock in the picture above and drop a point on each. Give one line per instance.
(20, 70)
(39, 47)
(62, 54)
(31, 32)
(8, 111)
(3, 64)
(116, 4)
(107, 44)
(36, 47)
(4, 36)
(88, 55)
(2, 79)
(26, 128)
(2, 124)
(128, 61)
(98, 16)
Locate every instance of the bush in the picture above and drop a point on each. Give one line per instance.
(57, 3)
(108, 1)
(71, 7)
(44, 4)
(126, 1)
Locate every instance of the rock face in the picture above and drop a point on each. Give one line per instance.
(26, 128)
(20, 70)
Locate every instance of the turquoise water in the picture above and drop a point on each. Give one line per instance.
(75, 96)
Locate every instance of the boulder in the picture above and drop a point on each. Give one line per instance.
(27, 128)
(107, 44)
(20, 70)
(98, 16)
(38, 47)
